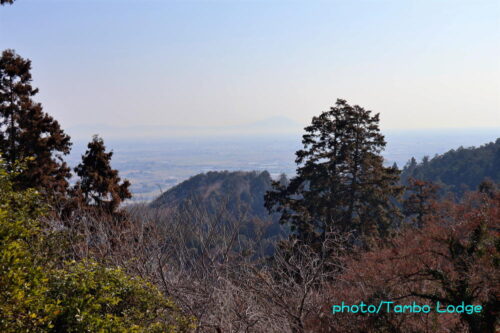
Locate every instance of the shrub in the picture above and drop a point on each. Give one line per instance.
(40, 293)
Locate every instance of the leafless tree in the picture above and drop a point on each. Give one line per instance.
(204, 262)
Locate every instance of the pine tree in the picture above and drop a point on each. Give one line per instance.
(99, 184)
(27, 133)
(341, 183)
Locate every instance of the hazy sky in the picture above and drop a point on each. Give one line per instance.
(420, 64)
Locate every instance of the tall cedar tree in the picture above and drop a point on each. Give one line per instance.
(341, 183)
(29, 134)
(100, 184)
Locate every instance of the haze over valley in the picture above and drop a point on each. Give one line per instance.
(155, 164)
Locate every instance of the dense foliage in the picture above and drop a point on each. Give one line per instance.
(341, 183)
(29, 134)
(41, 293)
(458, 170)
(24, 305)
(93, 298)
(99, 183)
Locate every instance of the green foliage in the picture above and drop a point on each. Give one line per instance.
(24, 305)
(100, 184)
(28, 133)
(93, 298)
(40, 294)
(341, 183)
(458, 170)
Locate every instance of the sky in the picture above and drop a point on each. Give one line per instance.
(421, 64)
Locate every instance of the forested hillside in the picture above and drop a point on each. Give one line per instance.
(227, 195)
(243, 191)
(458, 170)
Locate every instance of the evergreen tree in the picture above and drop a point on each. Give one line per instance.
(419, 203)
(408, 170)
(27, 133)
(458, 170)
(341, 183)
(99, 184)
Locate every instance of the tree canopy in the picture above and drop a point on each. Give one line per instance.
(27, 133)
(458, 170)
(341, 183)
(99, 184)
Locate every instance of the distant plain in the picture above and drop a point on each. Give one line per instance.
(153, 165)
